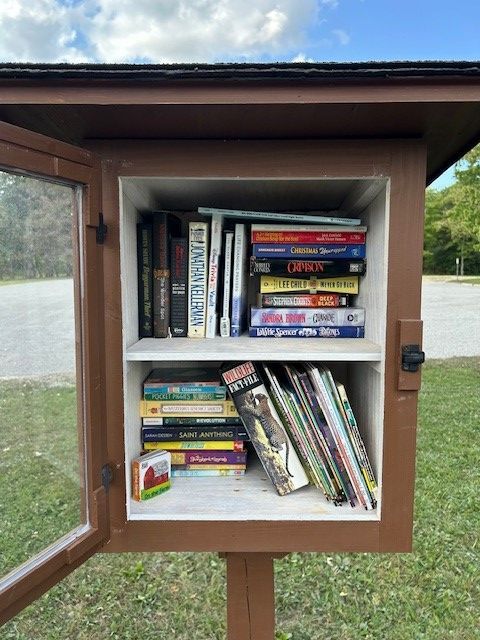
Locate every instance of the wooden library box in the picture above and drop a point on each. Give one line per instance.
(307, 137)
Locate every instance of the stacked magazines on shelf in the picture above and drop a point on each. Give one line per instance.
(187, 413)
(303, 429)
(307, 278)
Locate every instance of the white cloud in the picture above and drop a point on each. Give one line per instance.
(155, 31)
(301, 57)
(341, 35)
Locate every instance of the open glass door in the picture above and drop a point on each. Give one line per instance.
(52, 436)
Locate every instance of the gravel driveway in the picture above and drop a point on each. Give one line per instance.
(37, 331)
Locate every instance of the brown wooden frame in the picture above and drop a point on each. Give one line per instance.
(28, 153)
(404, 163)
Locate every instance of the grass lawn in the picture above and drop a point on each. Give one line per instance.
(431, 594)
(450, 278)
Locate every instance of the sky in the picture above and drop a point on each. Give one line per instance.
(168, 31)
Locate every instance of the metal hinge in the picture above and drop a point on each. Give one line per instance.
(412, 357)
(107, 476)
(101, 229)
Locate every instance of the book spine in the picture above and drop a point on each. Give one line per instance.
(161, 276)
(308, 250)
(308, 300)
(193, 409)
(239, 293)
(209, 445)
(210, 467)
(198, 473)
(263, 425)
(159, 434)
(179, 282)
(183, 388)
(227, 286)
(156, 396)
(312, 217)
(273, 284)
(145, 279)
(209, 457)
(304, 317)
(136, 479)
(306, 332)
(308, 237)
(179, 421)
(280, 267)
(213, 273)
(197, 278)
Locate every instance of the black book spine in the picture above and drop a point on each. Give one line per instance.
(179, 285)
(145, 279)
(286, 267)
(161, 276)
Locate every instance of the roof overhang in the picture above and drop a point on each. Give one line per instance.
(438, 102)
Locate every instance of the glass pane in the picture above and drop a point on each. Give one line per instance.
(41, 494)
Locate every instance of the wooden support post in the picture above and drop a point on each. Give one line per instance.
(250, 596)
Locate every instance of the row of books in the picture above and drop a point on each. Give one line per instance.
(199, 285)
(296, 417)
(303, 429)
(308, 276)
(186, 412)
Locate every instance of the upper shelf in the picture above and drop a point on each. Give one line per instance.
(246, 348)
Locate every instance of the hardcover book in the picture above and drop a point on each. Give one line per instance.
(183, 379)
(313, 217)
(213, 275)
(197, 279)
(179, 284)
(281, 267)
(239, 288)
(270, 439)
(308, 250)
(161, 274)
(227, 285)
(273, 284)
(305, 317)
(307, 234)
(145, 279)
(309, 300)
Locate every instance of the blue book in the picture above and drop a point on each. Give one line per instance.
(310, 251)
(307, 332)
(239, 281)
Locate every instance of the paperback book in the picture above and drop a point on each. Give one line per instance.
(145, 279)
(197, 279)
(309, 300)
(307, 234)
(274, 284)
(285, 267)
(267, 434)
(305, 317)
(288, 250)
(313, 217)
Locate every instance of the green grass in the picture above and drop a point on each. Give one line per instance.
(450, 278)
(431, 594)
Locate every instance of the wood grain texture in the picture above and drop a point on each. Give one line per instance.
(250, 597)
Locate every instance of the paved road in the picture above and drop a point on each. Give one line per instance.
(37, 331)
(451, 319)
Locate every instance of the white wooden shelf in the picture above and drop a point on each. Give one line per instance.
(248, 497)
(246, 348)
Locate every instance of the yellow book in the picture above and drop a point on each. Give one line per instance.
(216, 445)
(276, 284)
(187, 409)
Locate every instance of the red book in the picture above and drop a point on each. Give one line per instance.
(307, 234)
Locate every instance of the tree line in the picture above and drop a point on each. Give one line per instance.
(36, 225)
(35, 228)
(452, 221)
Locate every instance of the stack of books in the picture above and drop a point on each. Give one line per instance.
(307, 278)
(186, 412)
(303, 429)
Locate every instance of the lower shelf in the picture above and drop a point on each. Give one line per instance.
(249, 497)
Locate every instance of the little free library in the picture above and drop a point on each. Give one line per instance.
(235, 256)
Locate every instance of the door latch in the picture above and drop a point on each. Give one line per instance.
(412, 357)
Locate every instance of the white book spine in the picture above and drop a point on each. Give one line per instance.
(227, 286)
(239, 294)
(309, 218)
(197, 278)
(213, 266)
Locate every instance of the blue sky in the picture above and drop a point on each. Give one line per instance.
(166, 31)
